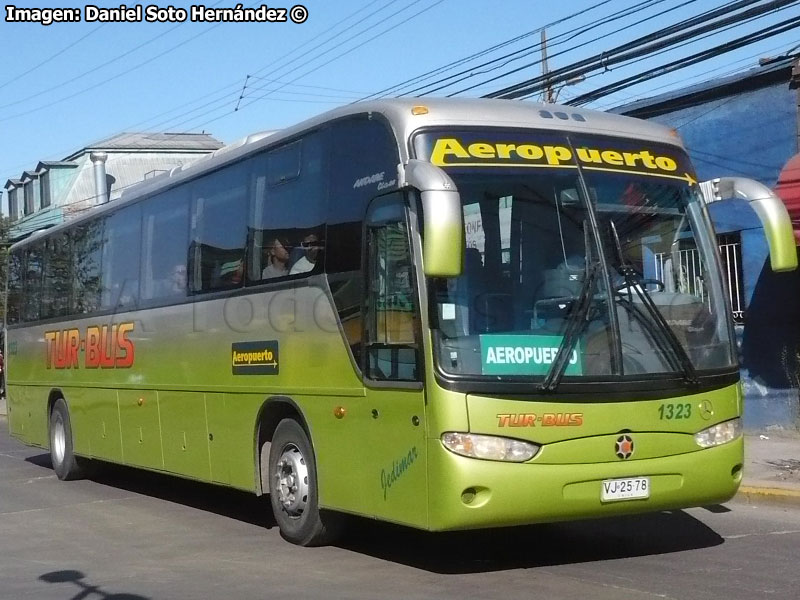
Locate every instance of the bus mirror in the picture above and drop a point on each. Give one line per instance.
(443, 241)
(443, 220)
(773, 216)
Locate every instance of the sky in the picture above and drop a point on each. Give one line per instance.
(66, 85)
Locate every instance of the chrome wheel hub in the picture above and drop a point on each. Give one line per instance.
(291, 481)
(59, 440)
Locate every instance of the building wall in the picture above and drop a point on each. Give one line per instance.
(751, 134)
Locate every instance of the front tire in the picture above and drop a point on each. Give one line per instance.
(66, 465)
(293, 490)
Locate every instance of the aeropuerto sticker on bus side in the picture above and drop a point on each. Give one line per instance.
(524, 355)
(255, 358)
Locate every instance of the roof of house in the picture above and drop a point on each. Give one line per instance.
(47, 164)
(158, 142)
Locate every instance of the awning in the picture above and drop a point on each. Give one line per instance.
(788, 189)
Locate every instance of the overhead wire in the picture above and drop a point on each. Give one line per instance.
(671, 48)
(762, 34)
(536, 48)
(348, 51)
(52, 57)
(637, 47)
(716, 70)
(459, 62)
(360, 45)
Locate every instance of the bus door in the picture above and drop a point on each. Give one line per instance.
(391, 366)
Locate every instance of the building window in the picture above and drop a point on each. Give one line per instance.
(44, 192)
(28, 197)
(13, 204)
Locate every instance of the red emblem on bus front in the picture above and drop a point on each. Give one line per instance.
(624, 447)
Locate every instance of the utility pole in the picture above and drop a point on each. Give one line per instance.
(548, 88)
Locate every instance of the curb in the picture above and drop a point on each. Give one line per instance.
(752, 494)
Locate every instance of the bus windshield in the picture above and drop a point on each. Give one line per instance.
(601, 241)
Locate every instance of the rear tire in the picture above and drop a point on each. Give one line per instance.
(293, 493)
(66, 465)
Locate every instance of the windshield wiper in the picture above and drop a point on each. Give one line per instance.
(662, 332)
(575, 328)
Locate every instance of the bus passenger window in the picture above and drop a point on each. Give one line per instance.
(33, 283)
(87, 245)
(121, 259)
(165, 244)
(15, 274)
(219, 229)
(286, 217)
(57, 277)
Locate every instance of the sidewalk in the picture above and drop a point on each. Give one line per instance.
(771, 467)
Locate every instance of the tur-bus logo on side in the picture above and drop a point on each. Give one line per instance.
(102, 347)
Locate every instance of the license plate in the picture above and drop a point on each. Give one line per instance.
(625, 489)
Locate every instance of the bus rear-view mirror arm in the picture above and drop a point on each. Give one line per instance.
(443, 220)
(771, 212)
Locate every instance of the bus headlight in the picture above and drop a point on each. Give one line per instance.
(489, 447)
(721, 433)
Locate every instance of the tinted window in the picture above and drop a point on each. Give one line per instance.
(165, 235)
(121, 259)
(15, 273)
(87, 247)
(363, 165)
(33, 282)
(57, 285)
(219, 229)
(286, 221)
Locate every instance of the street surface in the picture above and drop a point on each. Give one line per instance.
(134, 535)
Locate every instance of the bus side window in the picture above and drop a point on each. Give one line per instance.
(121, 259)
(57, 276)
(219, 229)
(15, 273)
(287, 215)
(165, 243)
(33, 282)
(87, 246)
(391, 306)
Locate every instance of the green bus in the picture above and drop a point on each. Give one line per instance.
(447, 314)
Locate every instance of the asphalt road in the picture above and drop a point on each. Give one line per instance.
(134, 535)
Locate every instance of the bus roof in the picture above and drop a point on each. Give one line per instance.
(439, 112)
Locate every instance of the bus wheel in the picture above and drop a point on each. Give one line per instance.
(293, 489)
(65, 463)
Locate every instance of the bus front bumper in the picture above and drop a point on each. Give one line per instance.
(466, 493)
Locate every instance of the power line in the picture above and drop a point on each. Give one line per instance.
(686, 43)
(535, 48)
(646, 93)
(641, 46)
(114, 77)
(484, 52)
(346, 52)
(729, 46)
(383, 32)
(52, 56)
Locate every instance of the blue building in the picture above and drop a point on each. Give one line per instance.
(746, 125)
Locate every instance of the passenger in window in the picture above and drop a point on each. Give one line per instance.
(277, 259)
(231, 273)
(312, 246)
